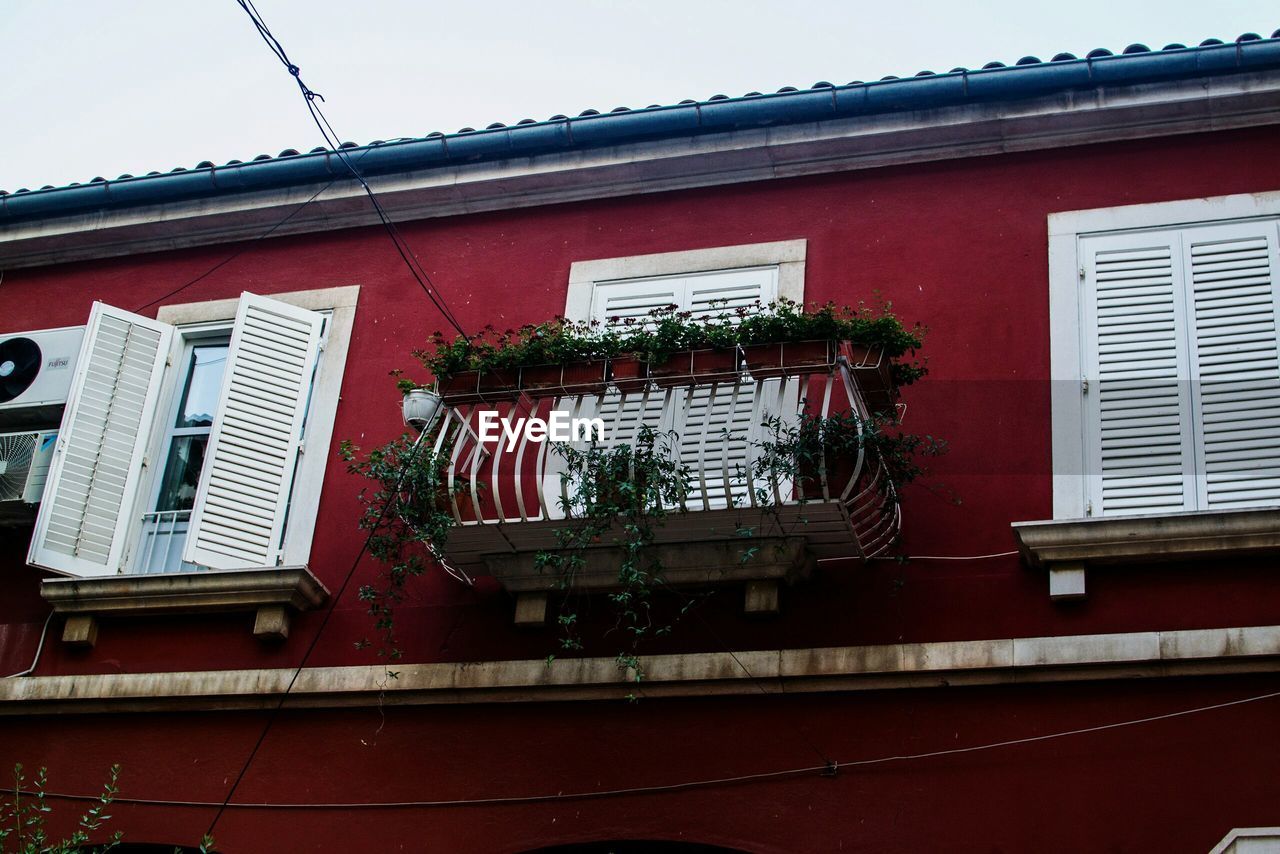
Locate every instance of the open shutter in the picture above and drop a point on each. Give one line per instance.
(1139, 424)
(238, 518)
(98, 462)
(1235, 301)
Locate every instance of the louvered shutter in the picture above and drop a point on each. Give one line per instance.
(713, 422)
(1234, 298)
(238, 518)
(1139, 426)
(634, 299)
(93, 480)
(717, 432)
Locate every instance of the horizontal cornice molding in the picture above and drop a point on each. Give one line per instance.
(175, 593)
(826, 669)
(1072, 117)
(1137, 539)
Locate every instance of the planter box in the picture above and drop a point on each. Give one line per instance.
(717, 365)
(570, 378)
(628, 373)
(475, 386)
(873, 371)
(781, 359)
(689, 366)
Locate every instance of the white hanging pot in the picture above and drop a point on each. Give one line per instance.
(421, 408)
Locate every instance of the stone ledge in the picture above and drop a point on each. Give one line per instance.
(1067, 547)
(686, 564)
(1199, 652)
(271, 593)
(1249, 840)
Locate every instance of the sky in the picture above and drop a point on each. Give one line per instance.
(106, 88)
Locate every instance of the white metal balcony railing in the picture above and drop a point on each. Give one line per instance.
(507, 500)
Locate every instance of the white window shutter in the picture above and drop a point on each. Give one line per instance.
(1138, 409)
(238, 518)
(713, 294)
(623, 415)
(718, 430)
(714, 423)
(634, 299)
(93, 480)
(1234, 298)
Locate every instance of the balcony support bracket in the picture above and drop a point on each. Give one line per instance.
(761, 564)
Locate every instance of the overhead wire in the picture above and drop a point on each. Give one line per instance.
(324, 622)
(35, 660)
(423, 279)
(705, 782)
(332, 139)
(233, 256)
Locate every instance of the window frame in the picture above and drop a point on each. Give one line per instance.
(201, 319)
(163, 432)
(784, 259)
(1067, 334)
(788, 256)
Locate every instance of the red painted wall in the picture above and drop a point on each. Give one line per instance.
(960, 246)
(1175, 785)
(957, 245)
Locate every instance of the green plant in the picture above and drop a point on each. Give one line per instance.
(797, 450)
(667, 330)
(407, 520)
(22, 823)
(618, 497)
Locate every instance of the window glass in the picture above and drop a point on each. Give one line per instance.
(203, 382)
(182, 473)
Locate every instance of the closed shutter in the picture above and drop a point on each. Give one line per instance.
(713, 423)
(1234, 295)
(624, 416)
(93, 479)
(718, 431)
(242, 499)
(1139, 424)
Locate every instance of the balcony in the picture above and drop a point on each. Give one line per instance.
(509, 496)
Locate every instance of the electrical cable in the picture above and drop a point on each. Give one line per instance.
(689, 784)
(332, 139)
(240, 251)
(364, 547)
(39, 649)
(931, 557)
(428, 287)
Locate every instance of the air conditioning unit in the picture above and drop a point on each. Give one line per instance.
(36, 369)
(24, 468)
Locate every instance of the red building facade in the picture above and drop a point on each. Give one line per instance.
(993, 703)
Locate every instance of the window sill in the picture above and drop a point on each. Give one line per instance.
(272, 594)
(1066, 547)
